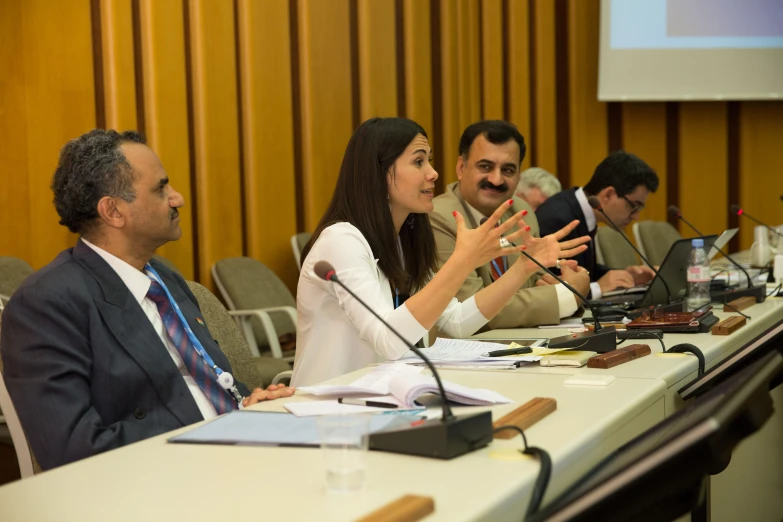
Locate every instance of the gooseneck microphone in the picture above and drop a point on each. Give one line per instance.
(602, 339)
(443, 438)
(760, 294)
(736, 209)
(596, 204)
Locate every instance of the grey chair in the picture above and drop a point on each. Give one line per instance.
(13, 271)
(614, 251)
(255, 372)
(655, 238)
(28, 465)
(298, 242)
(263, 305)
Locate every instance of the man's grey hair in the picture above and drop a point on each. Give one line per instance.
(538, 177)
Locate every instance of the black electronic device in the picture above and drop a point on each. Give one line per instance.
(601, 340)
(758, 291)
(662, 474)
(444, 438)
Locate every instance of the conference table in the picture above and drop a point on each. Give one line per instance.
(156, 480)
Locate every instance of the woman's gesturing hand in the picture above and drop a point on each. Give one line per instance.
(549, 249)
(481, 245)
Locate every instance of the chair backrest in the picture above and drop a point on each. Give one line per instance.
(28, 466)
(298, 242)
(13, 271)
(657, 238)
(226, 332)
(617, 253)
(248, 284)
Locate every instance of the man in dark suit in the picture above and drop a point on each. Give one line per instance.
(621, 182)
(101, 348)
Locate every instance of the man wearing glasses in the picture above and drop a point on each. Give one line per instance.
(621, 182)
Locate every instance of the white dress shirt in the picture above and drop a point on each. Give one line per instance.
(139, 284)
(566, 301)
(590, 221)
(335, 334)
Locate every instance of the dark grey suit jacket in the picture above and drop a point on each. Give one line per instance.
(83, 365)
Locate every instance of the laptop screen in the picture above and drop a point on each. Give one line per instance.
(674, 270)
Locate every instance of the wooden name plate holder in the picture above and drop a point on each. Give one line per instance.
(739, 304)
(619, 356)
(407, 508)
(729, 325)
(525, 416)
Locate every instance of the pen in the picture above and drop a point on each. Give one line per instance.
(360, 402)
(512, 351)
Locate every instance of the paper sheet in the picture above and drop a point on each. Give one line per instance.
(333, 407)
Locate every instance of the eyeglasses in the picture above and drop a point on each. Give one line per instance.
(635, 205)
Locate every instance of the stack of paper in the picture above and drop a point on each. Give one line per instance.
(461, 352)
(405, 384)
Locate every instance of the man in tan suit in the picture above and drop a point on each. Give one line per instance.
(488, 171)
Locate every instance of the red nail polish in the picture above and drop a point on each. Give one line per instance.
(524, 247)
(454, 213)
(524, 213)
(527, 228)
(510, 201)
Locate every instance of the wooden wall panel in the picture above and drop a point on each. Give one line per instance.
(449, 95)
(545, 139)
(644, 134)
(326, 98)
(417, 43)
(268, 134)
(761, 166)
(216, 132)
(704, 166)
(14, 175)
(377, 58)
(162, 28)
(588, 121)
(492, 74)
(518, 63)
(119, 78)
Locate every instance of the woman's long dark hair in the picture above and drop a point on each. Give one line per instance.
(361, 199)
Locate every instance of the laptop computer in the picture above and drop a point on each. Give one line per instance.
(673, 270)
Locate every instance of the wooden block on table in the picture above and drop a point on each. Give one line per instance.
(525, 416)
(729, 325)
(407, 508)
(619, 356)
(739, 304)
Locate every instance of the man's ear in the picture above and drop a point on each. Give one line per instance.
(460, 166)
(606, 194)
(109, 213)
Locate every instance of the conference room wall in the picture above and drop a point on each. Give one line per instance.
(250, 103)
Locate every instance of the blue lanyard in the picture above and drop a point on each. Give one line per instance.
(193, 339)
(505, 265)
(396, 298)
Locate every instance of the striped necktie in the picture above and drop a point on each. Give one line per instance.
(198, 369)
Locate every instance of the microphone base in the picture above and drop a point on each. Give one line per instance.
(759, 292)
(438, 439)
(602, 341)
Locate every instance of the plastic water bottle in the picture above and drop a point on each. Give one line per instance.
(698, 276)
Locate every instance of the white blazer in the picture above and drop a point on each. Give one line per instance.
(335, 334)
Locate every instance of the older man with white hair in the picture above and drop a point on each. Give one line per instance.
(536, 185)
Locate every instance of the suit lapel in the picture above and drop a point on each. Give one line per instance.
(133, 331)
(581, 230)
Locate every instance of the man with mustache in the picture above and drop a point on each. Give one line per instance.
(105, 346)
(621, 182)
(490, 154)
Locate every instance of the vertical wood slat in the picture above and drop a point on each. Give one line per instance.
(418, 64)
(166, 111)
(761, 165)
(119, 78)
(545, 81)
(377, 58)
(588, 116)
(449, 95)
(644, 134)
(703, 166)
(14, 190)
(492, 73)
(216, 131)
(326, 99)
(268, 134)
(518, 60)
(59, 106)
(468, 47)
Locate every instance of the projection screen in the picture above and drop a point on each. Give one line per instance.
(691, 50)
